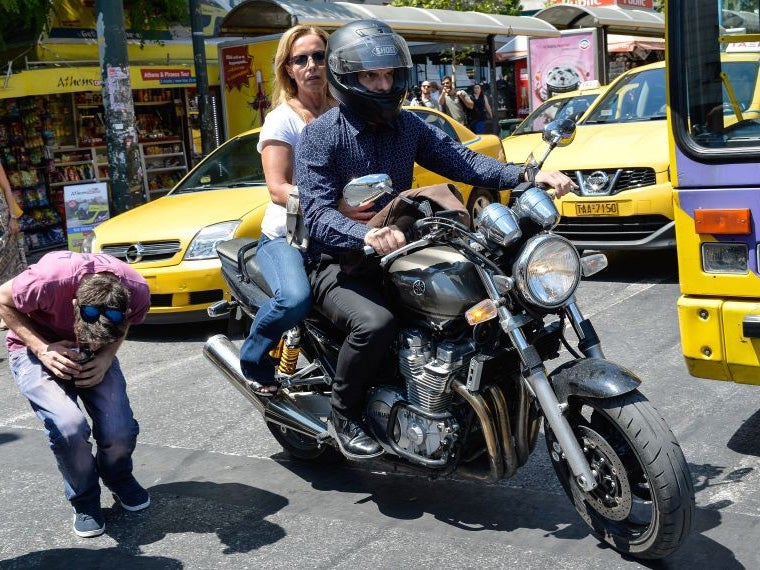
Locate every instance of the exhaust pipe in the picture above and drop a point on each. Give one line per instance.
(281, 409)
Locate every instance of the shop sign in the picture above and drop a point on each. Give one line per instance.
(167, 76)
(238, 66)
(640, 4)
(86, 207)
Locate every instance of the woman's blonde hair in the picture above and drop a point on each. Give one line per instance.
(284, 86)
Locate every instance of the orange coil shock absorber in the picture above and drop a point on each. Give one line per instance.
(290, 350)
(276, 351)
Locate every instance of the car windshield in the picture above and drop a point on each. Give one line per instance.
(554, 110)
(235, 163)
(637, 97)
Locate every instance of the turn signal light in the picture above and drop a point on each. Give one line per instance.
(483, 311)
(731, 222)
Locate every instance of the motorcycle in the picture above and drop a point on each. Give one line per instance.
(481, 312)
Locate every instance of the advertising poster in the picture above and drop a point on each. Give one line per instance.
(86, 206)
(247, 76)
(558, 65)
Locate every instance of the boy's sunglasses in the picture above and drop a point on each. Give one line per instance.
(318, 57)
(91, 313)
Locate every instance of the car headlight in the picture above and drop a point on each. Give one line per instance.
(547, 270)
(204, 243)
(88, 242)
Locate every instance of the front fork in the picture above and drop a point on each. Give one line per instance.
(537, 379)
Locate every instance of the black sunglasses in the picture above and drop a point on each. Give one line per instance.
(91, 313)
(318, 57)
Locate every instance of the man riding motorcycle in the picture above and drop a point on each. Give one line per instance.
(369, 73)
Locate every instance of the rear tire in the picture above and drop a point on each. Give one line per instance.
(478, 200)
(303, 447)
(644, 503)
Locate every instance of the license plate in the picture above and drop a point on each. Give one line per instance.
(596, 209)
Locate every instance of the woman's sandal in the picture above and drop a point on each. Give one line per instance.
(264, 390)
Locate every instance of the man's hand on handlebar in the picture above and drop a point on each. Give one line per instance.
(385, 240)
(555, 179)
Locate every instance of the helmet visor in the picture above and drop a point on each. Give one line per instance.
(373, 52)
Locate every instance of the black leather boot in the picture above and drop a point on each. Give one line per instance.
(353, 441)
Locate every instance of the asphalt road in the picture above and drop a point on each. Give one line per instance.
(225, 496)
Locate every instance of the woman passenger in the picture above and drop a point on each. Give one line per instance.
(300, 95)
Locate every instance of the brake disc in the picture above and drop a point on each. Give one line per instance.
(612, 497)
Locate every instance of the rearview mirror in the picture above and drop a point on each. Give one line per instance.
(559, 133)
(367, 189)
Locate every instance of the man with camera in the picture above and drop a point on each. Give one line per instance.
(68, 314)
(454, 102)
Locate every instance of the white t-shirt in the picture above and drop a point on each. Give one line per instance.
(281, 124)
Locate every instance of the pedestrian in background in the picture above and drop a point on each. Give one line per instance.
(12, 257)
(481, 110)
(68, 315)
(454, 103)
(435, 92)
(424, 99)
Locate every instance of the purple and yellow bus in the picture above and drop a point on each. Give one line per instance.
(713, 59)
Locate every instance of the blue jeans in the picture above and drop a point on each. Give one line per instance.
(282, 267)
(113, 425)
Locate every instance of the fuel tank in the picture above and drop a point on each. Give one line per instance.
(437, 283)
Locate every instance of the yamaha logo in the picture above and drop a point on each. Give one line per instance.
(596, 182)
(385, 50)
(134, 253)
(418, 287)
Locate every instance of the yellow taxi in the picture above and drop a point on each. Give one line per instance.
(620, 161)
(172, 241)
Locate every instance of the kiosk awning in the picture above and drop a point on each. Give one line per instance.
(263, 17)
(615, 20)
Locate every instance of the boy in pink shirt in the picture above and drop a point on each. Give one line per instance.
(68, 315)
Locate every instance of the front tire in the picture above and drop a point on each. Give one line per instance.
(644, 502)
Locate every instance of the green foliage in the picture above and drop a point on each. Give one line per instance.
(21, 21)
(459, 54)
(505, 7)
(148, 18)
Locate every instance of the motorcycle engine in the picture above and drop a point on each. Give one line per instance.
(424, 431)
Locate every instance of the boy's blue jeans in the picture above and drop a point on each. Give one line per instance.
(113, 425)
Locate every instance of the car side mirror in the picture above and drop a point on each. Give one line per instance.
(367, 189)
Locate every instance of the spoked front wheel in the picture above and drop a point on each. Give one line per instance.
(643, 504)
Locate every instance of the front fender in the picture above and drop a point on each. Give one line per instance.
(592, 378)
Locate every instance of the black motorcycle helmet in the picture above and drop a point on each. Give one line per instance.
(365, 45)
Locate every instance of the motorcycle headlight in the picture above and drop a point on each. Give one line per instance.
(204, 243)
(547, 270)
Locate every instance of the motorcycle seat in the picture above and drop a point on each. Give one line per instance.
(230, 250)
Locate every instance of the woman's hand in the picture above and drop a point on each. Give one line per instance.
(360, 213)
(557, 180)
(13, 227)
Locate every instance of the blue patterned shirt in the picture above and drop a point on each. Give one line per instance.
(339, 146)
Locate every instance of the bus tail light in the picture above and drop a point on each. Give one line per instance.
(722, 222)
